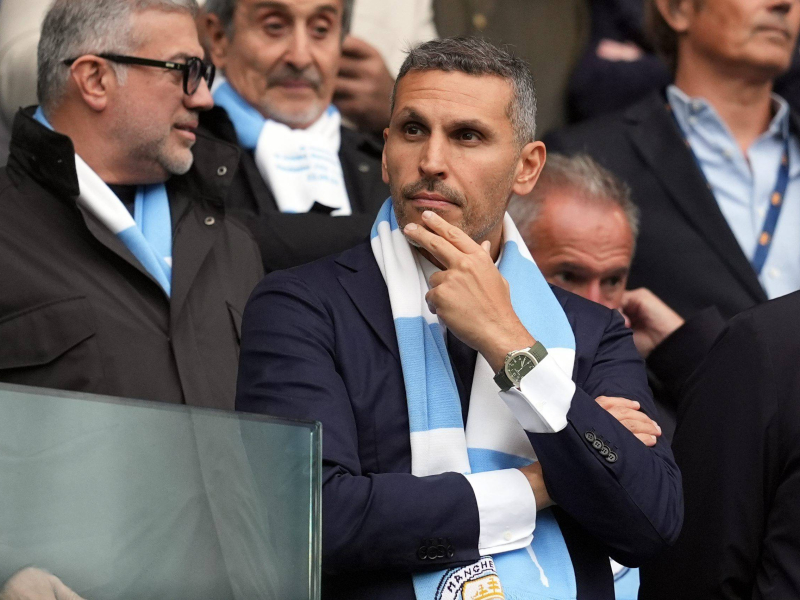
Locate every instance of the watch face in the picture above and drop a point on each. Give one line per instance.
(519, 366)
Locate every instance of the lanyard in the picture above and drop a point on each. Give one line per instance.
(775, 201)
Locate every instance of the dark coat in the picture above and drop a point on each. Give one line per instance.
(674, 360)
(686, 252)
(288, 240)
(79, 312)
(319, 343)
(738, 446)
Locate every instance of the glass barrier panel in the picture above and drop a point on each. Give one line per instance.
(133, 500)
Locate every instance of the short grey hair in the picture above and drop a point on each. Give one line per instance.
(476, 56)
(579, 174)
(224, 10)
(72, 28)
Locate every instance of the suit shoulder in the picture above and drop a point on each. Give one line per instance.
(581, 137)
(320, 276)
(602, 132)
(363, 144)
(773, 323)
(579, 309)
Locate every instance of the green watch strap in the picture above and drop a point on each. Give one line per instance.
(538, 352)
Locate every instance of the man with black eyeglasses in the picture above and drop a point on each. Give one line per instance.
(120, 272)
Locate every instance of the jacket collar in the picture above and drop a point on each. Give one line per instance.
(43, 155)
(655, 135)
(47, 157)
(196, 198)
(362, 280)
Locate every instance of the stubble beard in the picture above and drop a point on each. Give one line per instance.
(475, 224)
(152, 144)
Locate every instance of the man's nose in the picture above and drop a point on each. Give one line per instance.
(433, 160)
(298, 54)
(593, 292)
(201, 99)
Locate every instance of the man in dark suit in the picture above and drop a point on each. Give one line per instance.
(703, 160)
(319, 342)
(307, 186)
(741, 538)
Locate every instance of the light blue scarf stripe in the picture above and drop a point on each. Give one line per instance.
(433, 414)
(626, 584)
(149, 234)
(544, 570)
(152, 216)
(144, 253)
(247, 121)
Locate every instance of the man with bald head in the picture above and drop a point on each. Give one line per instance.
(580, 226)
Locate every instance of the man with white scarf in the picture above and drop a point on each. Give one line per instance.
(307, 186)
(121, 273)
(465, 453)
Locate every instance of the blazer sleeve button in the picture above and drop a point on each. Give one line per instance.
(612, 457)
(589, 436)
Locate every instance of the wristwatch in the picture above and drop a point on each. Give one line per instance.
(518, 364)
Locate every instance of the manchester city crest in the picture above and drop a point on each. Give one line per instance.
(478, 581)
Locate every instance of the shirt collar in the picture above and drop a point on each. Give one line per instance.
(684, 107)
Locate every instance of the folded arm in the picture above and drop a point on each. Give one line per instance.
(626, 494)
(395, 521)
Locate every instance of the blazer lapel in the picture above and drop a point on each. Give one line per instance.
(655, 135)
(364, 284)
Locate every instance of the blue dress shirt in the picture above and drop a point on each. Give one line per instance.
(743, 183)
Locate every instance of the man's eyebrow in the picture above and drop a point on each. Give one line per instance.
(268, 4)
(181, 56)
(285, 7)
(617, 272)
(571, 266)
(411, 115)
(469, 124)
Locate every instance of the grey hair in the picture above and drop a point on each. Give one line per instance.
(72, 28)
(582, 175)
(224, 10)
(476, 56)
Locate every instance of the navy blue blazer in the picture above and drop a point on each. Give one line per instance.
(318, 343)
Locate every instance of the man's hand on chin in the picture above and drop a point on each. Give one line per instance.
(470, 295)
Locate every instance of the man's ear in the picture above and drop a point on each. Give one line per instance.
(94, 79)
(217, 38)
(531, 161)
(678, 15)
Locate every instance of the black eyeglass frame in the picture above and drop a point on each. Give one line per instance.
(206, 70)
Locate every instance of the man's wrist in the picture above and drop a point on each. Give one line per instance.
(496, 354)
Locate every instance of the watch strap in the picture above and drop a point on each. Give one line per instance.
(501, 378)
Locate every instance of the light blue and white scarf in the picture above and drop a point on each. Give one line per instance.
(148, 234)
(493, 439)
(301, 166)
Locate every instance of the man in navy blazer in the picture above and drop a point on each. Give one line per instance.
(319, 343)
